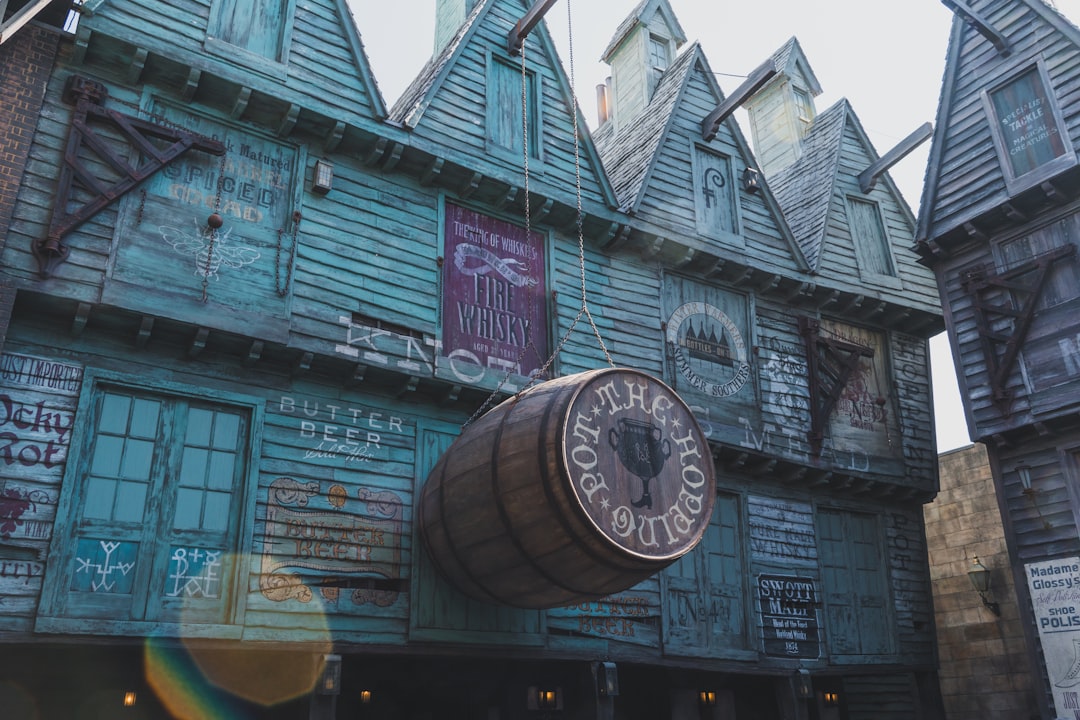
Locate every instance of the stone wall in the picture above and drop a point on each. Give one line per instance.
(985, 674)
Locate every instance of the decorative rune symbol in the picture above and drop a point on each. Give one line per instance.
(711, 177)
(642, 449)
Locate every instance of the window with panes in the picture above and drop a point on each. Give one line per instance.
(155, 510)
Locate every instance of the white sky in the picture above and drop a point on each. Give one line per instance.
(885, 56)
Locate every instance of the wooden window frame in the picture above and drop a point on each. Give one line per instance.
(276, 68)
(534, 97)
(890, 280)
(161, 620)
(1017, 183)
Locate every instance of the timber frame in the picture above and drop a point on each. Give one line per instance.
(1023, 284)
(88, 97)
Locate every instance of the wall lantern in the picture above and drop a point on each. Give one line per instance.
(751, 180)
(804, 688)
(707, 698)
(830, 699)
(544, 698)
(365, 697)
(980, 580)
(330, 677)
(322, 179)
(129, 698)
(1024, 471)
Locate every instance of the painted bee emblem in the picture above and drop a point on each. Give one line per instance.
(209, 256)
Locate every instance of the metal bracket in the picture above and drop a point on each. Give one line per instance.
(88, 96)
(831, 362)
(1022, 286)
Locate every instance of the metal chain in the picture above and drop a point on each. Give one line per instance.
(283, 289)
(213, 228)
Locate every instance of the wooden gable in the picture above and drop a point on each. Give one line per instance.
(467, 105)
(306, 54)
(694, 189)
(1025, 55)
(865, 237)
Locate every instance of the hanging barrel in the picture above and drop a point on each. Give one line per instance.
(577, 488)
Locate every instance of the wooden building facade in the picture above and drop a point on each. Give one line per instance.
(999, 228)
(253, 307)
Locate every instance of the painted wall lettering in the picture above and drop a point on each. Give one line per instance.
(26, 371)
(494, 291)
(708, 348)
(346, 433)
(349, 544)
(781, 530)
(639, 464)
(1055, 600)
(37, 414)
(789, 624)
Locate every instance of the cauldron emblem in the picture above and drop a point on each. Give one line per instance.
(642, 449)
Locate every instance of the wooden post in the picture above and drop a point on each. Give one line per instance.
(524, 26)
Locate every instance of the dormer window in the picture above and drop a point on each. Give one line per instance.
(659, 58)
(252, 32)
(1029, 134)
(804, 110)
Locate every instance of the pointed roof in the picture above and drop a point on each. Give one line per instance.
(410, 107)
(424, 90)
(964, 177)
(629, 157)
(326, 69)
(642, 15)
(805, 188)
(790, 60)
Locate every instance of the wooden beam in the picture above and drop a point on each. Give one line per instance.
(241, 103)
(145, 328)
(288, 122)
(471, 186)
(254, 353)
(516, 38)
(432, 171)
(394, 156)
(868, 178)
(198, 343)
(191, 85)
(82, 315)
(982, 25)
(761, 75)
(20, 18)
(138, 63)
(333, 138)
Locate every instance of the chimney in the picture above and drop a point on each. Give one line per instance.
(450, 15)
(603, 98)
(641, 50)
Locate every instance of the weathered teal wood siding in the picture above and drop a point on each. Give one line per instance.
(38, 396)
(323, 71)
(454, 119)
(621, 293)
(969, 179)
(370, 247)
(91, 243)
(669, 204)
(911, 284)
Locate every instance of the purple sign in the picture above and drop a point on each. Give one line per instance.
(494, 299)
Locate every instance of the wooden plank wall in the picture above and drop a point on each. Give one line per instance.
(970, 179)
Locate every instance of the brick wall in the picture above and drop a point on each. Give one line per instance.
(985, 673)
(26, 60)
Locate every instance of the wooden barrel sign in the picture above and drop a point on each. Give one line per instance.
(577, 488)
